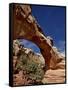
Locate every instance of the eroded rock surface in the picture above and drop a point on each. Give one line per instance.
(54, 76)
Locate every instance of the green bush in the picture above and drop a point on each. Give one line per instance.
(33, 69)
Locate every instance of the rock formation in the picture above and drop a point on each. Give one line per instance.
(26, 27)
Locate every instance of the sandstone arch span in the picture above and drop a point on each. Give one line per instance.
(26, 27)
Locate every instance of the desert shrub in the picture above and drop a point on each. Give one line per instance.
(33, 69)
(37, 75)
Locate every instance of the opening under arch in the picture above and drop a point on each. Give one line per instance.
(29, 44)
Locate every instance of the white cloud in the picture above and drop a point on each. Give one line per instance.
(61, 47)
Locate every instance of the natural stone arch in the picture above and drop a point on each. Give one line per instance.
(26, 27)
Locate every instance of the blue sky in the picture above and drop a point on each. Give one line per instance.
(52, 22)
